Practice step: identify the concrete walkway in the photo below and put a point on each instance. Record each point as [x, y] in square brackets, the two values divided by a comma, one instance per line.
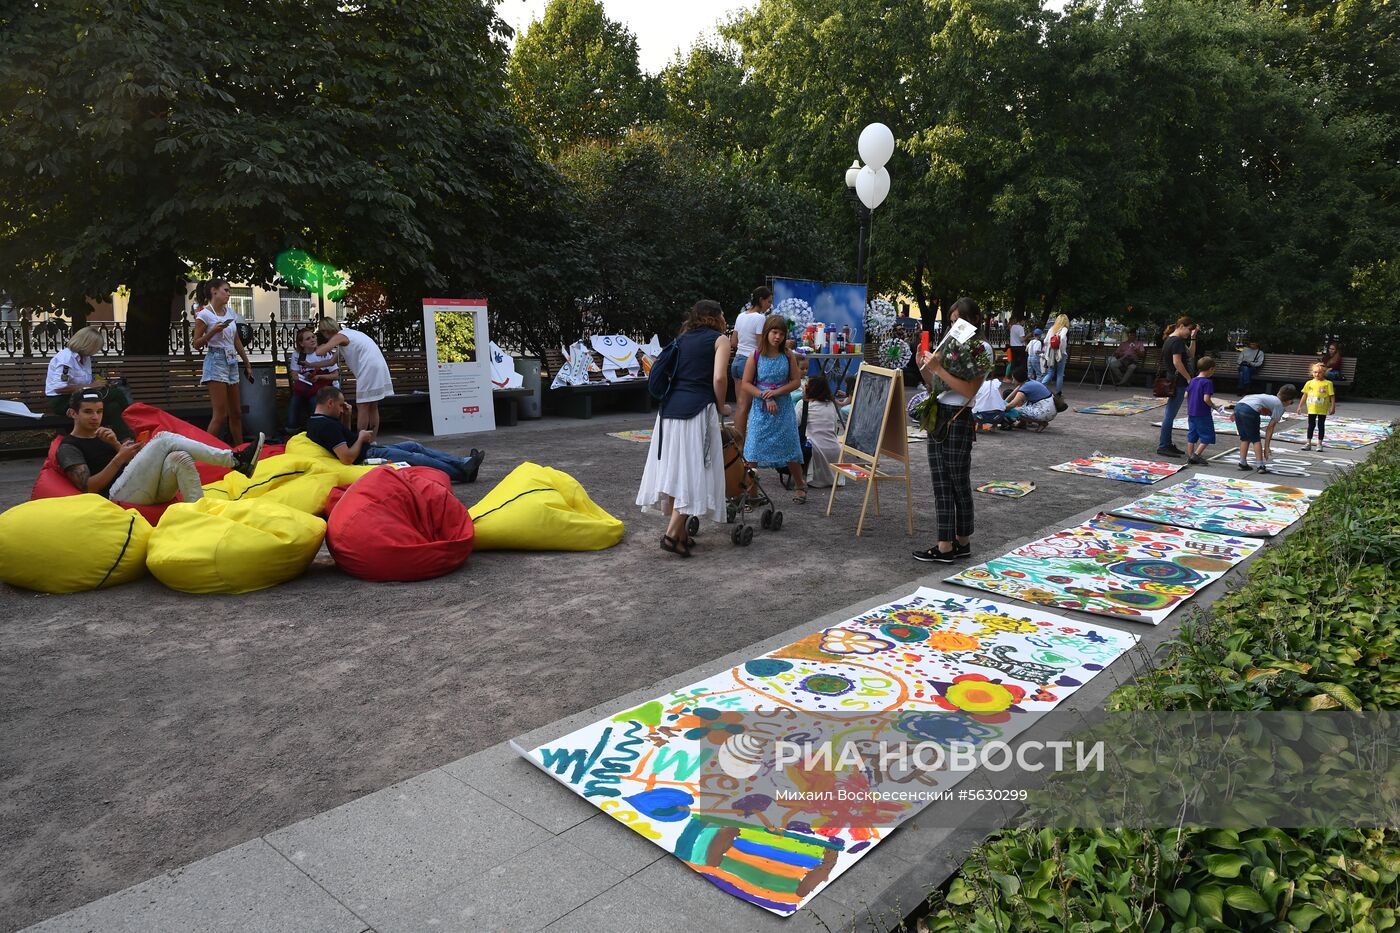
[486, 841]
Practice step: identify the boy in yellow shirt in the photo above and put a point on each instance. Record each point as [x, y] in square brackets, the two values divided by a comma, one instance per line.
[1320, 396]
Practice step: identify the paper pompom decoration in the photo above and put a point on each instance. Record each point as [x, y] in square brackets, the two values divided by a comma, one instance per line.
[795, 310]
[880, 316]
[895, 353]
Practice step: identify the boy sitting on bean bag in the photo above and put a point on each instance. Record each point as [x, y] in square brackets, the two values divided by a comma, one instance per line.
[140, 473]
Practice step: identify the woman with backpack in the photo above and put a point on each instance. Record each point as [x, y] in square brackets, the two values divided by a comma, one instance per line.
[684, 473]
[1057, 353]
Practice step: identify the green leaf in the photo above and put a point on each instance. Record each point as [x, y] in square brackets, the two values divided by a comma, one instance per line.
[1226, 866]
[1210, 901]
[1179, 901]
[1242, 898]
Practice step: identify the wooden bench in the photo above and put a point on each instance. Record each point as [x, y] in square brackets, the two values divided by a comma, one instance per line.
[410, 374]
[577, 401]
[1094, 357]
[167, 382]
[1279, 369]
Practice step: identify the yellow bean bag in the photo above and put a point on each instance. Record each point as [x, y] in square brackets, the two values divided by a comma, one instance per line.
[232, 547]
[302, 478]
[536, 508]
[71, 544]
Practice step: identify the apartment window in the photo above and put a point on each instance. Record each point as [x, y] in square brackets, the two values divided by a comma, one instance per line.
[294, 305]
[241, 301]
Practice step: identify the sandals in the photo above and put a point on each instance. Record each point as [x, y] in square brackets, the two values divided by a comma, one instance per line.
[800, 496]
[669, 543]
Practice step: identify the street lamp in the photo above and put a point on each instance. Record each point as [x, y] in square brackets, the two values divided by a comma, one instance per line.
[869, 185]
[862, 219]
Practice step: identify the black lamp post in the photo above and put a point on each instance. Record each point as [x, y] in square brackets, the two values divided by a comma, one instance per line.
[862, 220]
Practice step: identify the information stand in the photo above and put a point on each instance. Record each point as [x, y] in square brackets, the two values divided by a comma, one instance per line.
[459, 365]
[875, 436]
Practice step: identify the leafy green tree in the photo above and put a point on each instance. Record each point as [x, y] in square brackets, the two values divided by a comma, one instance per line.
[574, 76]
[143, 138]
[708, 99]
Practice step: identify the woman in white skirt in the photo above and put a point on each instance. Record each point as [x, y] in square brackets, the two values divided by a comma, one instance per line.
[684, 473]
[366, 361]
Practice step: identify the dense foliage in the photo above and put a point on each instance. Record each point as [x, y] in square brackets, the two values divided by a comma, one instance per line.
[1315, 627]
[1238, 159]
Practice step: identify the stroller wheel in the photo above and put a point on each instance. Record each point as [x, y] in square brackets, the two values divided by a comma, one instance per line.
[692, 525]
[737, 536]
[777, 521]
[766, 520]
[745, 535]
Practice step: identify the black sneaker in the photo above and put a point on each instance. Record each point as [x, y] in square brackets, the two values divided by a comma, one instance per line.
[1171, 450]
[245, 461]
[961, 551]
[471, 465]
[1245, 466]
[934, 556]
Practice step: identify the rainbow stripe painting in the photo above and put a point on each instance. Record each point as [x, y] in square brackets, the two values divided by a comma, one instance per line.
[697, 771]
[1123, 469]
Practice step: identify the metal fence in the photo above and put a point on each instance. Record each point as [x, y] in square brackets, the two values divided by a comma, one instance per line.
[264, 340]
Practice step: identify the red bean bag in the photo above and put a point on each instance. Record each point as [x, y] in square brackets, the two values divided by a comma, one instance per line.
[399, 525]
[142, 419]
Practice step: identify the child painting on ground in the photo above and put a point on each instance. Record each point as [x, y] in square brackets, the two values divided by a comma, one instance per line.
[1248, 411]
[1200, 411]
[1320, 396]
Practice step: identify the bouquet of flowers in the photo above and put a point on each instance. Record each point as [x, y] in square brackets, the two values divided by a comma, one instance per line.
[965, 360]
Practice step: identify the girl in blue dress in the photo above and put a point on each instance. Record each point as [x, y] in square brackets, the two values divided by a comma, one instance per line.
[770, 377]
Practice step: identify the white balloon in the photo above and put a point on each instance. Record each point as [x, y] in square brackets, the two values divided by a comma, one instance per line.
[872, 186]
[876, 145]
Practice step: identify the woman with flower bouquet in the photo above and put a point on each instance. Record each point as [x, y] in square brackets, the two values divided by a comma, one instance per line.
[953, 374]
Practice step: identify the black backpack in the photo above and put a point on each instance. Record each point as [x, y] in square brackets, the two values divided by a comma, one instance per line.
[662, 377]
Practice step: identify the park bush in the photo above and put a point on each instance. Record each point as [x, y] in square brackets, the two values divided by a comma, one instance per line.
[1315, 626]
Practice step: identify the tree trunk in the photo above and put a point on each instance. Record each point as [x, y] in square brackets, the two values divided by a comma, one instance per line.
[157, 282]
[78, 309]
[920, 294]
[1051, 298]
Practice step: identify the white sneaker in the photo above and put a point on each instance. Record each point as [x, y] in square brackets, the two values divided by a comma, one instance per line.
[1319, 445]
[1308, 446]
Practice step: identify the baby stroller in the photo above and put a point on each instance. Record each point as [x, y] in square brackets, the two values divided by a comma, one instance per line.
[742, 493]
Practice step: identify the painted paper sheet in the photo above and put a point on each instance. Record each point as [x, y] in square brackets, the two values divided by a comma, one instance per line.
[1008, 488]
[1342, 433]
[688, 769]
[1120, 468]
[1224, 505]
[1124, 406]
[640, 437]
[1113, 566]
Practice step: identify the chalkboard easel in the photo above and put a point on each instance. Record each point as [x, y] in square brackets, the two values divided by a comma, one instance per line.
[875, 431]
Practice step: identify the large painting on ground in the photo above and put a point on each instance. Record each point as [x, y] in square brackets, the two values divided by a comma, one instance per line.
[1224, 505]
[1113, 566]
[695, 771]
[1124, 406]
[1342, 433]
[1123, 469]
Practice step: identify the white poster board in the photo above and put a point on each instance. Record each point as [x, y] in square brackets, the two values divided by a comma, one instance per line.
[459, 365]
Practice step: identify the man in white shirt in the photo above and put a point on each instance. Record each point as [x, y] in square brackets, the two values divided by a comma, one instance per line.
[1035, 361]
[748, 330]
[1017, 340]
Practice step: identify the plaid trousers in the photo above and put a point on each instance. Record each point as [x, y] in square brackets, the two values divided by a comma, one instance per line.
[950, 466]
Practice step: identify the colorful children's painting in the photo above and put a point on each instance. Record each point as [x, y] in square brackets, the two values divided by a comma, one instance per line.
[639, 437]
[1113, 566]
[1011, 489]
[1120, 468]
[1224, 505]
[855, 471]
[698, 773]
[1342, 433]
[1124, 406]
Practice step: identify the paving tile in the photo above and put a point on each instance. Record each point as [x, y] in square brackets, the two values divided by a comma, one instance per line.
[614, 844]
[529, 892]
[392, 851]
[630, 907]
[685, 893]
[248, 887]
[507, 778]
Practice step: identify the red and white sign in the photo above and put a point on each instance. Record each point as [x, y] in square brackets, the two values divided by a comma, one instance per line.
[459, 365]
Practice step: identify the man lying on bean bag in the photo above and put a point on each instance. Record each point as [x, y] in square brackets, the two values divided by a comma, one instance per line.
[140, 473]
[325, 428]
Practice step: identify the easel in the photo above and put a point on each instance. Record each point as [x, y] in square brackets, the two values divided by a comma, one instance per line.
[867, 441]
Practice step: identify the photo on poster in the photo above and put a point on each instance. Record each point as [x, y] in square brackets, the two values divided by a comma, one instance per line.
[456, 336]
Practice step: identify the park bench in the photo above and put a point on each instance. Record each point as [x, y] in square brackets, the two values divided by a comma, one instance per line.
[1093, 359]
[577, 401]
[1279, 369]
[170, 383]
